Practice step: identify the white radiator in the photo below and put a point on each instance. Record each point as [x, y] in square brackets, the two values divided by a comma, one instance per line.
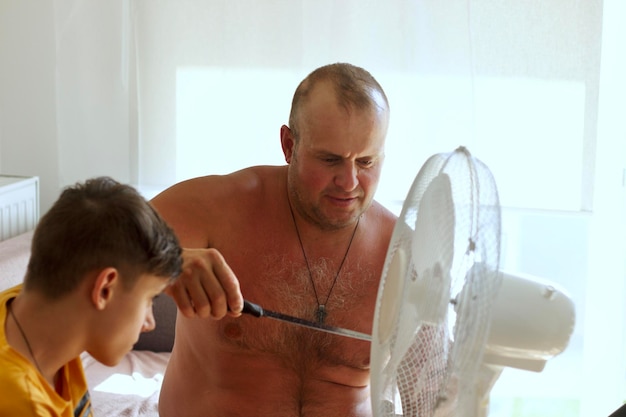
[19, 205]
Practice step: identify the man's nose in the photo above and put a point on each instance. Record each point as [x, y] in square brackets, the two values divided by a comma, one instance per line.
[347, 176]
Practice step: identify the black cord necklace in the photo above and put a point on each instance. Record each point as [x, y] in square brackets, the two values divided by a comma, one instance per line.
[320, 312]
[30, 350]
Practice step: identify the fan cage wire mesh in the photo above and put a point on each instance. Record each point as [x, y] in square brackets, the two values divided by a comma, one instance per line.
[437, 375]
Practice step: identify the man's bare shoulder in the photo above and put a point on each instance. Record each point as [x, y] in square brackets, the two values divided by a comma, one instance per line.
[383, 215]
[210, 188]
[196, 204]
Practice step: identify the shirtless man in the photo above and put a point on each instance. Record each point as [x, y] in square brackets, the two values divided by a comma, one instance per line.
[299, 239]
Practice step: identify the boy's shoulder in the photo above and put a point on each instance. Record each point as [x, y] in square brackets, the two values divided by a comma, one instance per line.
[19, 382]
[7, 294]
[25, 392]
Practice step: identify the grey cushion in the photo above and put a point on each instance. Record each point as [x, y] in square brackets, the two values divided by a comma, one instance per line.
[161, 339]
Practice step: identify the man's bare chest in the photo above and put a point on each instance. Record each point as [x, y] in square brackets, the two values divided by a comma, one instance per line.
[282, 282]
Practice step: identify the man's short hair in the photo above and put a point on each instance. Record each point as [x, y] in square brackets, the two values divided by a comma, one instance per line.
[354, 87]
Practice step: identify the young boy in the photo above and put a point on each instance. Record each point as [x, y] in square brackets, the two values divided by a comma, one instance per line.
[98, 258]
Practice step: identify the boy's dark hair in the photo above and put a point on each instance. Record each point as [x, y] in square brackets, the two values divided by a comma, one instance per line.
[98, 224]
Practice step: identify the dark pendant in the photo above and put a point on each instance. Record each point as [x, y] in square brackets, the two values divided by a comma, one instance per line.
[321, 313]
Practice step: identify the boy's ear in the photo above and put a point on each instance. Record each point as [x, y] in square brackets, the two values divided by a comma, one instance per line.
[104, 286]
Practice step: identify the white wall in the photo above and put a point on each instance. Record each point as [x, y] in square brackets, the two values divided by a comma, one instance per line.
[28, 125]
[69, 110]
[65, 109]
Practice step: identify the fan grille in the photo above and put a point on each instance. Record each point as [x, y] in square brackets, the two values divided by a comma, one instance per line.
[443, 264]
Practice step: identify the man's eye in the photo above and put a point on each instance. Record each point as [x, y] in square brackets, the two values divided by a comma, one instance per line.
[366, 162]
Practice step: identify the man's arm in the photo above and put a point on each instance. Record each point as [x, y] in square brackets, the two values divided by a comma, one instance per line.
[207, 286]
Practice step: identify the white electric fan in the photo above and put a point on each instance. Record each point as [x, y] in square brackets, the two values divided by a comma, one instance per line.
[439, 287]
[438, 284]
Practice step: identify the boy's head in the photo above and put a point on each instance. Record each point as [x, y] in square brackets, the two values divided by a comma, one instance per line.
[103, 249]
[97, 224]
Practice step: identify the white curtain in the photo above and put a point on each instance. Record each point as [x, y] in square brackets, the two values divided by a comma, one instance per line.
[515, 82]
[170, 89]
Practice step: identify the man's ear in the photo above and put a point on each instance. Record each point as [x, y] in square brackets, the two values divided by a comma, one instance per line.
[287, 141]
[107, 280]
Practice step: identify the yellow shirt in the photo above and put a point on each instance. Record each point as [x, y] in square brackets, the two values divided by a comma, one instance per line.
[23, 390]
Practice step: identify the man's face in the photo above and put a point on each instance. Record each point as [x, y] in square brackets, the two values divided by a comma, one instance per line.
[335, 167]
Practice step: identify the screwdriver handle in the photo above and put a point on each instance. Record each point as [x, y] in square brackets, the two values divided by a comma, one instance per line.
[251, 308]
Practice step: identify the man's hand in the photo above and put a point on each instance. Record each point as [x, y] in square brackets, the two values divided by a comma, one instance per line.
[207, 287]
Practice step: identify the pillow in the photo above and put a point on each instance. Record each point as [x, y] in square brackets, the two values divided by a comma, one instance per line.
[161, 339]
